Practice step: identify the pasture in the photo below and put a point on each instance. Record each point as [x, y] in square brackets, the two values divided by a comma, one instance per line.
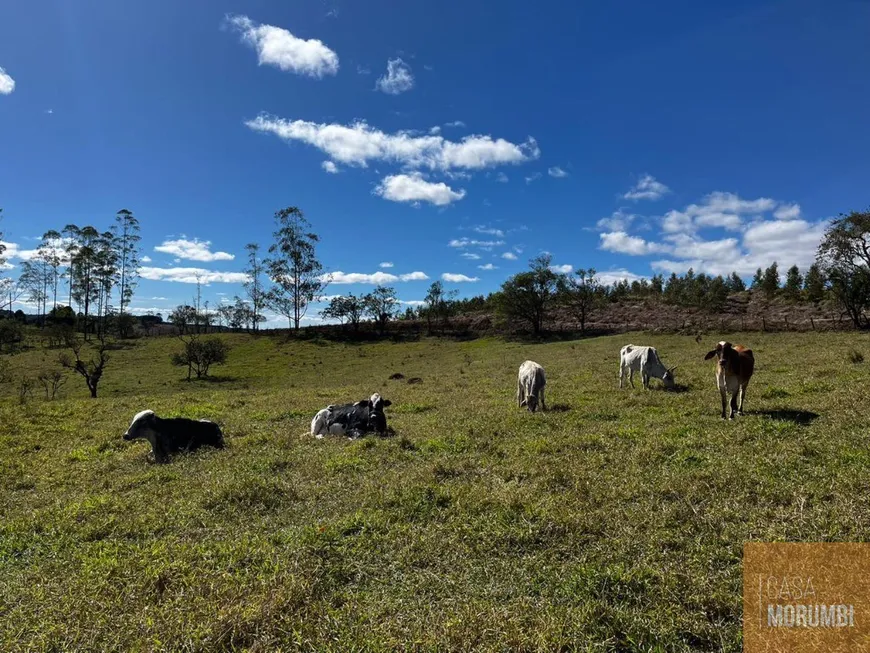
[613, 522]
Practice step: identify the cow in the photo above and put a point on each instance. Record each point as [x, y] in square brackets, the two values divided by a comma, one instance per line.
[735, 364]
[633, 358]
[174, 434]
[530, 386]
[352, 420]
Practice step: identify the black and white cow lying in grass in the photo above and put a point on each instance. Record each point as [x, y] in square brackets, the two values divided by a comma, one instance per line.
[171, 435]
[352, 420]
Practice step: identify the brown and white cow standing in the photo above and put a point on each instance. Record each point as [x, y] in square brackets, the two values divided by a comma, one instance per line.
[734, 368]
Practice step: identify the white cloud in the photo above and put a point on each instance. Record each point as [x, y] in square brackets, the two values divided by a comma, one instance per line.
[622, 243]
[329, 167]
[618, 221]
[412, 302]
[510, 256]
[470, 242]
[562, 269]
[397, 79]
[611, 277]
[533, 177]
[718, 209]
[377, 278]
[455, 123]
[278, 47]
[488, 266]
[145, 259]
[557, 172]
[489, 231]
[458, 278]
[358, 144]
[189, 275]
[385, 264]
[502, 178]
[7, 84]
[363, 70]
[193, 250]
[787, 212]
[470, 256]
[435, 130]
[414, 188]
[647, 188]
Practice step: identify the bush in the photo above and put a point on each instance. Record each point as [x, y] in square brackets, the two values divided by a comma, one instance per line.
[199, 354]
[856, 356]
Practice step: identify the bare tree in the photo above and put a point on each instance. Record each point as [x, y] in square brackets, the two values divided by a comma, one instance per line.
[92, 369]
[582, 294]
[293, 266]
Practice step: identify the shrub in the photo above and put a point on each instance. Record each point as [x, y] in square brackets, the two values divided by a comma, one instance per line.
[856, 356]
[199, 354]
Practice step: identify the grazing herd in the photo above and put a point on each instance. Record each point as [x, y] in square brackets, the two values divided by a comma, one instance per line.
[734, 367]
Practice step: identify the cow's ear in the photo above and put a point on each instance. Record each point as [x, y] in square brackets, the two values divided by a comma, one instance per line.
[710, 355]
[387, 402]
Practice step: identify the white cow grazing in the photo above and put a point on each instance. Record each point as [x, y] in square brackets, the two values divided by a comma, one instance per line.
[530, 386]
[633, 358]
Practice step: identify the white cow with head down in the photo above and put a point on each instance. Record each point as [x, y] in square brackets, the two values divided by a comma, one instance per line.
[634, 358]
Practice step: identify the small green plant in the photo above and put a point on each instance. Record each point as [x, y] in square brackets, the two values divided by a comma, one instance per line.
[855, 356]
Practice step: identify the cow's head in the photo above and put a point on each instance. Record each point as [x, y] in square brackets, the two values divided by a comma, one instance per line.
[722, 352]
[142, 426]
[377, 420]
[530, 402]
[668, 378]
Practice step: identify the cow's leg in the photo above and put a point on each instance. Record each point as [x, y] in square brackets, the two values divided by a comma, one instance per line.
[645, 378]
[631, 377]
[519, 394]
[742, 398]
[724, 395]
[621, 376]
[734, 403]
[543, 403]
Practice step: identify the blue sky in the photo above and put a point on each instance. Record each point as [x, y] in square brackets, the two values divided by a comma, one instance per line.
[448, 138]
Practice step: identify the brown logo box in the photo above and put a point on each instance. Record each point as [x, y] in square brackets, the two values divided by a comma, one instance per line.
[806, 597]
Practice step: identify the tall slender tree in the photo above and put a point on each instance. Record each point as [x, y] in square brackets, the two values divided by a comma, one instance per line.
[51, 252]
[71, 243]
[126, 240]
[293, 266]
[85, 289]
[254, 285]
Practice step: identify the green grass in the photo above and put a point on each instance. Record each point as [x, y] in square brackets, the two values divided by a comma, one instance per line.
[614, 523]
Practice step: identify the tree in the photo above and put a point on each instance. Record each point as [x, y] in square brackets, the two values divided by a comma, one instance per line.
[793, 283]
[33, 280]
[735, 283]
[380, 305]
[49, 256]
[758, 279]
[770, 280]
[844, 258]
[84, 263]
[657, 285]
[199, 354]
[528, 296]
[293, 267]
[254, 286]
[814, 283]
[439, 303]
[346, 309]
[182, 317]
[582, 294]
[126, 241]
[91, 370]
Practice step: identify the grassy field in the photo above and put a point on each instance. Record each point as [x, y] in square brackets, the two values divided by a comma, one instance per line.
[613, 522]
